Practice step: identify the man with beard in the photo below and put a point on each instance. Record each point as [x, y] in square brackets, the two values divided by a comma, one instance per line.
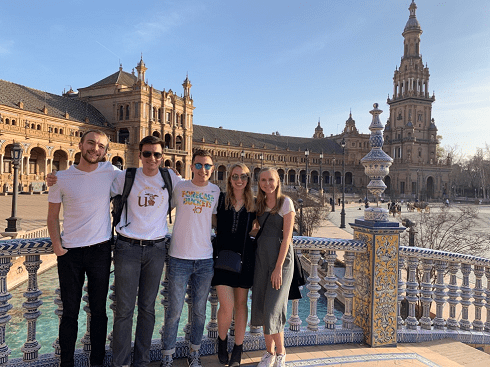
[83, 247]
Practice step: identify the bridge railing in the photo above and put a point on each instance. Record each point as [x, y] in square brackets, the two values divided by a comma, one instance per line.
[443, 294]
[316, 329]
[426, 280]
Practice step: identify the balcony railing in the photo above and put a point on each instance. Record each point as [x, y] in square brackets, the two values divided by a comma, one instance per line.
[458, 286]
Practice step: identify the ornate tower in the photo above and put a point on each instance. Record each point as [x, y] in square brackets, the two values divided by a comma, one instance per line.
[410, 134]
[318, 132]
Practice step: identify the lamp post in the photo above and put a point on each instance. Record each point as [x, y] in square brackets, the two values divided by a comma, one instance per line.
[321, 173]
[333, 186]
[307, 153]
[243, 155]
[13, 223]
[300, 202]
[342, 213]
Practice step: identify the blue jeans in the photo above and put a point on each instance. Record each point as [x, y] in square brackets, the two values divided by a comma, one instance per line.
[95, 261]
[198, 273]
[137, 271]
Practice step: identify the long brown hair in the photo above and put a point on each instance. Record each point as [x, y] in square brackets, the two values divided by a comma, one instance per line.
[247, 192]
[261, 204]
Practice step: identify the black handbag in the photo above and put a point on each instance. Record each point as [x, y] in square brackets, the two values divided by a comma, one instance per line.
[231, 260]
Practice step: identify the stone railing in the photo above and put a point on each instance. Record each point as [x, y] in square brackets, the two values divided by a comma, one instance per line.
[373, 296]
[443, 295]
[317, 329]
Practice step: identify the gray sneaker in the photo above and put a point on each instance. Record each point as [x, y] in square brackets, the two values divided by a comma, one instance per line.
[167, 361]
[193, 359]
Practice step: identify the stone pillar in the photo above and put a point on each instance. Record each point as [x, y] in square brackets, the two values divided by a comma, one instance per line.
[376, 270]
[376, 284]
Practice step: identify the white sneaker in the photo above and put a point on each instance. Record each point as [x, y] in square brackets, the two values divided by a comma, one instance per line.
[267, 360]
[280, 360]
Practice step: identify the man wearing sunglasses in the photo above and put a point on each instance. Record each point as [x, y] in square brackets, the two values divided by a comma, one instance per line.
[191, 255]
[139, 254]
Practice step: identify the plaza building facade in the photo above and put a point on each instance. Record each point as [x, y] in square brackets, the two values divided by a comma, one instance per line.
[127, 108]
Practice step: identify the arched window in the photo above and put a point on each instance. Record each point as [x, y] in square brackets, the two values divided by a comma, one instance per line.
[127, 112]
[61, 131]
[33, 126]
[14, 123]
[121, 112]
[38, 127]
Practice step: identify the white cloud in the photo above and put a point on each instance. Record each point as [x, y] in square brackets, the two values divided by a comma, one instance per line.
[6, 47]
[161, 23]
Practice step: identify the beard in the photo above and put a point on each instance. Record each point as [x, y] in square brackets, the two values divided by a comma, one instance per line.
[91, 158]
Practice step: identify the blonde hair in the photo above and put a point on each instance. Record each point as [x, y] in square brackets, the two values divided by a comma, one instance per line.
[247, 192]
[261, 198]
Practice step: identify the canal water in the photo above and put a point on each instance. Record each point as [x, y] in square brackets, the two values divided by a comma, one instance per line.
[47, 323]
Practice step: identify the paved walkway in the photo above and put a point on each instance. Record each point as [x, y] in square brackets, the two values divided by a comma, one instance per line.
[443, 353]
[32, 209]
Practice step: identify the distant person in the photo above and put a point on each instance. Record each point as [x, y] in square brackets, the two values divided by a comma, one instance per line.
[191, 256]
[83, 248]
[274, 266]
[236, 214]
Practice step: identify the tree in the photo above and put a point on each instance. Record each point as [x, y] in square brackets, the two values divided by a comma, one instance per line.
[451, 230]
[314, 213]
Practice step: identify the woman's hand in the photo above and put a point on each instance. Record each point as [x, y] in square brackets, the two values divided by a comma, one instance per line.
[276, 278]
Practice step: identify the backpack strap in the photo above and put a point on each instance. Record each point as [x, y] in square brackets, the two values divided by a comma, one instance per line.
[168, 185]
[128, 184]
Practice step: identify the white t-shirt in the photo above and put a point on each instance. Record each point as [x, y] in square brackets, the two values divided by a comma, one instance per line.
[147, 205]
[86, 201]
[287, 207]
[191, 236]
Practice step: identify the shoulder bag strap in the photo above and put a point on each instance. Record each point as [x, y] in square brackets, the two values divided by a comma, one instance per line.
[261, 227]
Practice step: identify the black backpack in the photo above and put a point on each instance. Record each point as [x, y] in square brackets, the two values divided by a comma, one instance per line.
[119, 201]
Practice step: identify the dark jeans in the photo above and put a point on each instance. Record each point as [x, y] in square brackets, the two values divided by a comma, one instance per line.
[137, 272]
[95, 261]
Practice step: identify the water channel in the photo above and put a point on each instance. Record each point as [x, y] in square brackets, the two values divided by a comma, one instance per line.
[47, 323]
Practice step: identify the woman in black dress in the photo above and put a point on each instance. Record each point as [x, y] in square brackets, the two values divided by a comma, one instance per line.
[236, 214]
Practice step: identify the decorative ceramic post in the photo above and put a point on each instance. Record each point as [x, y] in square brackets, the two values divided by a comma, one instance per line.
[376, 283]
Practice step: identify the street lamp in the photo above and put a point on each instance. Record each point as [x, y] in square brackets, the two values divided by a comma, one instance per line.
[243, 155]
[321, 173]
[333, 186]
[307, 153]
[13, 223]
[300, 202]
[342, 213]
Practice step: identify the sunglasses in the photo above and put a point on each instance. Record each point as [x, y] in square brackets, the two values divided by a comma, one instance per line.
[148, 154]
[206, 166]
[242, 177]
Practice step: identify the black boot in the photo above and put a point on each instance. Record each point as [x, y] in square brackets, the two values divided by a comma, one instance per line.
[223, 350]
[236, 355]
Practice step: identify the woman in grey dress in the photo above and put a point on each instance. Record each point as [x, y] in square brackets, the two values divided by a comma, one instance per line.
[273, 266]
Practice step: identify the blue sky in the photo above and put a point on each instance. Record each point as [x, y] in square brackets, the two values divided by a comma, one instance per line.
[262, 66]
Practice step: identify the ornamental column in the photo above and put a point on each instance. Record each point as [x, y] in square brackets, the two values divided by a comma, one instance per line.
[376, 292]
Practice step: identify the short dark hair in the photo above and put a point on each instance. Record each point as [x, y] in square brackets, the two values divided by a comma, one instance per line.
[201, 153]
[150, 139]
[98, 132]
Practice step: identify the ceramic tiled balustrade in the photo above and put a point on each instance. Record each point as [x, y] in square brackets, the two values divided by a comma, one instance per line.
[380, 280]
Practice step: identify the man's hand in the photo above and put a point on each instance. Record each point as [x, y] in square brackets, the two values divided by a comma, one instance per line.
[51, 178]
[58, 250]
